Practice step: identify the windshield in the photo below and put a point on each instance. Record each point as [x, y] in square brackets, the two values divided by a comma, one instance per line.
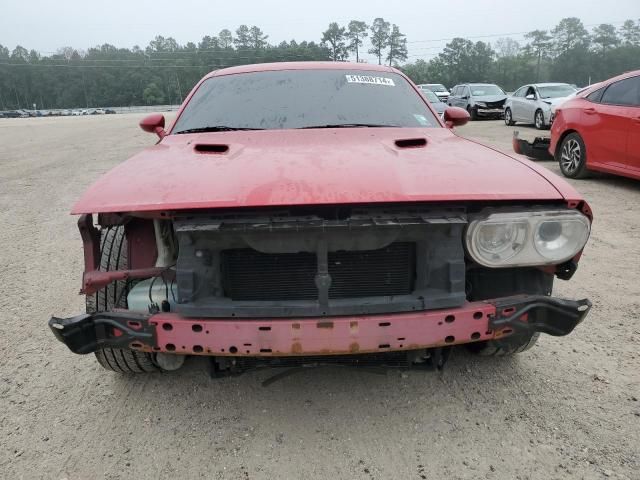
[556, 91]
[287, 99]
[435, 87]
[485, 90]
[432, 97]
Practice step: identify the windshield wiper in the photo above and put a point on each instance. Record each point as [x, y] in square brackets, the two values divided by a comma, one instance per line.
[216, 128]
[349, 125]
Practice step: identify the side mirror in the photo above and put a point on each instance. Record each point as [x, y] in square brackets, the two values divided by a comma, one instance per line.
[154, 123]
[455, 117]
[531, 96]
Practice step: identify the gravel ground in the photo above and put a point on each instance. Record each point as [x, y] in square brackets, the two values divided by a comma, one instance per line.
[568, 408]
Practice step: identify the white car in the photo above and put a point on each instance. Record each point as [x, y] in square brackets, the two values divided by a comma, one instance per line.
[533, 103]
[440, 90]
[556, 105]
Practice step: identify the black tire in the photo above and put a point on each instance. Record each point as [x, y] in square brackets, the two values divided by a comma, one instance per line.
[572, 156]
[538, 120]
[506, 346]
[113, 255]
[517, 342]
[508, 118]
[473, 113]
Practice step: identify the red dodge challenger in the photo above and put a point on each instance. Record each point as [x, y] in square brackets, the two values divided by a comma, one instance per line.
[312, 213]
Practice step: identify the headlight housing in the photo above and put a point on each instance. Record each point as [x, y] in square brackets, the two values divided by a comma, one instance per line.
[517, 239]
[481, 104]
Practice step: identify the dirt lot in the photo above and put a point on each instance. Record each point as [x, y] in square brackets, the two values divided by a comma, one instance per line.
[567, 409]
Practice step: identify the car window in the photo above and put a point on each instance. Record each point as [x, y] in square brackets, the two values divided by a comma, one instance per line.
[520, 92]
[556, 91]
[286, 99]
[465, 91]
[596, 95]
[485, 90]
[624, 92]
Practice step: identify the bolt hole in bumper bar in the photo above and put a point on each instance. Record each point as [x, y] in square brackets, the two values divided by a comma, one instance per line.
[171, 333]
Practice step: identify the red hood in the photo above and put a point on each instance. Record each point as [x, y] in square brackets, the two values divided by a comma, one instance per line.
[296, 167]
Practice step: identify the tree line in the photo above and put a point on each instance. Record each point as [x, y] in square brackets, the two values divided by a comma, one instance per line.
[566, 53]
[386, 41]
[164, 71]
[161, 73]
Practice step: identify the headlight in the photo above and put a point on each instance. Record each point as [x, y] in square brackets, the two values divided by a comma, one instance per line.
[532, 238]
[481, 104]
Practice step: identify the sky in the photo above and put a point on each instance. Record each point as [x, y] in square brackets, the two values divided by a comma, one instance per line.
[46, 25]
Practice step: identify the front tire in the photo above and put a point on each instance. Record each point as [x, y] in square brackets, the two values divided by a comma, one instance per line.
[538, 120]
[487, 285]
[572, 157]
[510, 345]
[473, 113]
[113, 256]
[508, 118]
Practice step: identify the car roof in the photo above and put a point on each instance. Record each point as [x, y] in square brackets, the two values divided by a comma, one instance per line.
[632, 73]
[592, 88]
[546, 84]
[271, 67]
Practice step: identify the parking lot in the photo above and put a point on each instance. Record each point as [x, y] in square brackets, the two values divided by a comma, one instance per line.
[569, 408]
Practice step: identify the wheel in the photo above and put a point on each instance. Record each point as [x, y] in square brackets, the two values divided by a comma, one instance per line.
[538, 120]
[572, 157]
[508, 119]
[506, 346]
[473, 113]
[113, 255]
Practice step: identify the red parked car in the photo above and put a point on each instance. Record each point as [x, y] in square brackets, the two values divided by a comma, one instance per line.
[312, 213]
[599, 129]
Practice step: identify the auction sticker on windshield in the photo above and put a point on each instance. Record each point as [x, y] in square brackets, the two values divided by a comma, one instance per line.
[371, 80]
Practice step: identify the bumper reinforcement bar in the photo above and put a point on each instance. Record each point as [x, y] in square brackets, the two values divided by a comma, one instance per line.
[553, 316]
[89, 332]
[172, 333]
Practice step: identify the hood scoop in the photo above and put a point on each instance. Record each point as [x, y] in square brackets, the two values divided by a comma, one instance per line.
[211, 148]
[411, 143]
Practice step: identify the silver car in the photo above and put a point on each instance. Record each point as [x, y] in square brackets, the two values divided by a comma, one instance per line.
[532, 103]
[438, 105]
[440, 90]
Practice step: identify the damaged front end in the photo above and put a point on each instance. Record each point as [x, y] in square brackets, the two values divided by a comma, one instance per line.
[282, 287]
[490, 109]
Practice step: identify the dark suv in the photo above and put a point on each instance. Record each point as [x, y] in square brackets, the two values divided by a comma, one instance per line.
[479, 99]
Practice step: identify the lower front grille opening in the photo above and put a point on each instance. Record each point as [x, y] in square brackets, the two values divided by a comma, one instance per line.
[249, 275]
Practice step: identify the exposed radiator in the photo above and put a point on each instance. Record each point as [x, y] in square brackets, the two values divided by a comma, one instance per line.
[249, 275]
